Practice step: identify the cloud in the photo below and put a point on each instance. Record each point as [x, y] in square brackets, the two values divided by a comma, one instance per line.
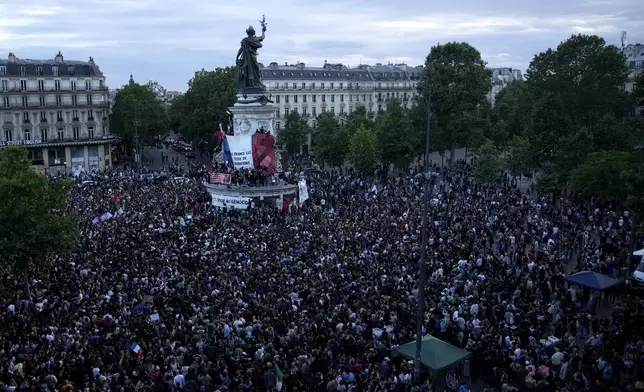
[168, 40]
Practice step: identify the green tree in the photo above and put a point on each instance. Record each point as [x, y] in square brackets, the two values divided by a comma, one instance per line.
[509, 112]
[456, 79]
[293, 134]
[360, 117]
[330, 140]
[488, 163]
[364, 151]
[638, 89]
[605, 174]
[196, 115]
[35, 222]
[519, 157]
[396, 136]
[138, 113]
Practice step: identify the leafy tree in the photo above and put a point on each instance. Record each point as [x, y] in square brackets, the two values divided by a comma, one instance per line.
[396, 136]
[604, 174]
[456, 79]
[364, 151]
[638, 89]
[196, 115]
[35, 223]
[509, 112]
[330, 140]
[576, 97]
[488, 163]
[138, 112]
[519, 159]
[358, 118]
[293, 134]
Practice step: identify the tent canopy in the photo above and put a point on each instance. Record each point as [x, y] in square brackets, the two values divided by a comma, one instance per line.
[639, 252]
[435, 353]
[592, 280]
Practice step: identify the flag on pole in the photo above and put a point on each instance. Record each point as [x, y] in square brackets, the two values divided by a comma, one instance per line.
[136, 348]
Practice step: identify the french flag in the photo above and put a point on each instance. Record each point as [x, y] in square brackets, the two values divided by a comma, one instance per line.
[136, 348]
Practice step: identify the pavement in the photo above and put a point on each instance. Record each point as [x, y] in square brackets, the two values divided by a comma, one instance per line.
[152, 155]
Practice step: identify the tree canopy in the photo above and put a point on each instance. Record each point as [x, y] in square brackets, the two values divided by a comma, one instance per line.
[35, 223]
[455, 83]
[330, 140]
[196, 115]
[293, 134]
[364, 151]
[137, 111]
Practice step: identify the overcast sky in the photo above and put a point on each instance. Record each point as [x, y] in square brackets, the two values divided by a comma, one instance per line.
[167, 40]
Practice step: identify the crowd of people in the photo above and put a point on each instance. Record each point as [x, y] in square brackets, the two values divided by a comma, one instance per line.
[165, 294]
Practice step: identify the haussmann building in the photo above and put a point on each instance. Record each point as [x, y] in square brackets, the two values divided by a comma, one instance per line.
[59, 110]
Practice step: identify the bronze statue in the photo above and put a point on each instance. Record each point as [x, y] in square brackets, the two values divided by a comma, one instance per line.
[249, 77]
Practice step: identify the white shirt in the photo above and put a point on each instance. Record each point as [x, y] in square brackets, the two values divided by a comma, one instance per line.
[557, 358]
[179, 381]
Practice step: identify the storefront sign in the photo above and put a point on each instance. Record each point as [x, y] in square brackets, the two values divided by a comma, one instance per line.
[219, 178]
[4, 143]
[240, 203]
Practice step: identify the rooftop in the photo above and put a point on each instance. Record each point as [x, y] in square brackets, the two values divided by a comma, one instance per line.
[15, 66]
[340, 72]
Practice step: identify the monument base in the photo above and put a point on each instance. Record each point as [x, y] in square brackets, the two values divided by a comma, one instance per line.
[252, 113]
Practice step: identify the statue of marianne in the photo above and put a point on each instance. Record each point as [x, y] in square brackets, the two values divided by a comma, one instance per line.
[249, 77]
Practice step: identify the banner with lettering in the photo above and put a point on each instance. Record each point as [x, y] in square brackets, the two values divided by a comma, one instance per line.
[219, 178]
[240, 203]
[241, 151]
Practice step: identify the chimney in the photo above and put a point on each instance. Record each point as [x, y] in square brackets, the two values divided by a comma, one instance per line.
[12, 57]
[59, 58]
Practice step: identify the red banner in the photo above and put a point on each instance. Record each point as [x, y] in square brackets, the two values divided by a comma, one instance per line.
[219, 178]
[264, 152]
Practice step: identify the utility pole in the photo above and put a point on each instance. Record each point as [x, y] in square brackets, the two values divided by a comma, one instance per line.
[631, 257]
[420, 321]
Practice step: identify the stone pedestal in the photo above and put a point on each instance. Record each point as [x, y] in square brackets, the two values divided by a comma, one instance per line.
[253, 112]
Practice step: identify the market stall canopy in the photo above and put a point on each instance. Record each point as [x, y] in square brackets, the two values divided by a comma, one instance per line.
[435, 353]
[592, 280]
[639, 252]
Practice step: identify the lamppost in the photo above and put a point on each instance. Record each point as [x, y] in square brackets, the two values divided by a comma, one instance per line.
[420, 321]
[631, 257]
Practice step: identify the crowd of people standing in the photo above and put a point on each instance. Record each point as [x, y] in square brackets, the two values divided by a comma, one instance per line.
[167, 294]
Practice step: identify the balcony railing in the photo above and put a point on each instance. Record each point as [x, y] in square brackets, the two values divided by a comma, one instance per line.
[50, 89]
[55, 105]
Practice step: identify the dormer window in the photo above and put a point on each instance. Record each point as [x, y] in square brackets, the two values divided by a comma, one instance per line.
[22, 71]
[39, 70]
[54, 70]
[71, 70]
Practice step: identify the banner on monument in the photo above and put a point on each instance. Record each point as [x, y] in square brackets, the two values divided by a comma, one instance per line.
[304, 192]
[241, 151]
[264, 152]
[238, 202]
[219, 178]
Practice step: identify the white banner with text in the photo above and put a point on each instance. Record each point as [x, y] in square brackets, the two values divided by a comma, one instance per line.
[238, 202]
[241, 151]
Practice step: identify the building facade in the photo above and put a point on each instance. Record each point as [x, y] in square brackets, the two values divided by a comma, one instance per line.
[59, 110]
[501, 78]
[337, 89]
[635, 62]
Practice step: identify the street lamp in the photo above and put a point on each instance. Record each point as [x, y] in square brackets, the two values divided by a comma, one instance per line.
[420, 321]
[631, 257]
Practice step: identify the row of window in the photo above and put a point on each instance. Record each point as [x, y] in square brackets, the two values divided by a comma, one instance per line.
[340, 85]
[352, 97]
[73, 85]
[59, 136]
[71, 70]
[42, 101]
[304, 112]
[59, 116]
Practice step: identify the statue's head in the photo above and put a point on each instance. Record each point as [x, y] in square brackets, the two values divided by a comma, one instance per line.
[250, 31]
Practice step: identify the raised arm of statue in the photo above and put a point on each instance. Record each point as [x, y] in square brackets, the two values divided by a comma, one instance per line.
[263, 23]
